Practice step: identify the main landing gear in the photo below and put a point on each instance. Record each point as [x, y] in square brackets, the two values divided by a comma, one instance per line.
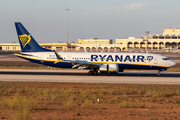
[93, 72]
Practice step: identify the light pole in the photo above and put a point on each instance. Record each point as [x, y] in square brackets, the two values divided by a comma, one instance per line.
[147, 33]
[67, 26]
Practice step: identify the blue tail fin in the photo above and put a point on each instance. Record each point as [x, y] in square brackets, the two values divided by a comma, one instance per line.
[27, 42]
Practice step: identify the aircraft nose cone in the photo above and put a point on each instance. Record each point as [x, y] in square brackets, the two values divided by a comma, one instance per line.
[172, 63]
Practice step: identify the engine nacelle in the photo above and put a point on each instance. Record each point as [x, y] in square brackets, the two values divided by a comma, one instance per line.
[109, 68]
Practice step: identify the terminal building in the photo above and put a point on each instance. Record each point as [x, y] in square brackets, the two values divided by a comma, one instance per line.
[98, 45]
[168, 41]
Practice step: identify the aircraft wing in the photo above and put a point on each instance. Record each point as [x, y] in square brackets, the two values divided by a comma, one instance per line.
[80, 64]
[77, 63]
[83, 64]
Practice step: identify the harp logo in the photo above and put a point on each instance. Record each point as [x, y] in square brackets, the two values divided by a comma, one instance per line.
[149, 58]
[25, 39]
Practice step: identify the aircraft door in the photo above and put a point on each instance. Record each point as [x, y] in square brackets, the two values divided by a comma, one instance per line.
[69, 57]
[42, 59]
[155, 60]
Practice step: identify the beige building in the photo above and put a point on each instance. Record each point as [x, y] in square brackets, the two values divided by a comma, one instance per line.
[168, 41]
[10, 46]
[95, 41]
[52, 46]
[98, 45]
[92, 44]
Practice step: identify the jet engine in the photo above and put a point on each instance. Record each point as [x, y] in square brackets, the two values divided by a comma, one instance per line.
[109, 68]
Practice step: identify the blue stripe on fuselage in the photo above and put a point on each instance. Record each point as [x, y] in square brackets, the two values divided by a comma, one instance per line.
[131, 66]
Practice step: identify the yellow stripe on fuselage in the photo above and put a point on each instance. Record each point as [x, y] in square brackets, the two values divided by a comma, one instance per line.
[106, 70]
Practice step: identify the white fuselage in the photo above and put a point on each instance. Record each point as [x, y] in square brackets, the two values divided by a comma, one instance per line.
[154, 61]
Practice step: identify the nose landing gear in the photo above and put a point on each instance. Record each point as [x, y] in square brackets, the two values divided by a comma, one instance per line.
[159, 72]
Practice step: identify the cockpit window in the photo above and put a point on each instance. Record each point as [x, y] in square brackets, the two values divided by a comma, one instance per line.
[166, 59]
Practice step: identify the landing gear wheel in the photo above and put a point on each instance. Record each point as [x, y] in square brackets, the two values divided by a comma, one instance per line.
[91, 72]
[158, 73]
[95, 72]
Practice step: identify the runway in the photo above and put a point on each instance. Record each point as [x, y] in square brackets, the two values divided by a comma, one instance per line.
[81, 76]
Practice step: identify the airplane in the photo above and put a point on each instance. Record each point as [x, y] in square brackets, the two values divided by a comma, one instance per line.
[96, 62]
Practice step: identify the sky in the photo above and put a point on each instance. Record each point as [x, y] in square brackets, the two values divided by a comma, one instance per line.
[104, 19]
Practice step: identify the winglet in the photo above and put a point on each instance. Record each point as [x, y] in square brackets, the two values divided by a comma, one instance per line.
[57, 55]
[59, 59]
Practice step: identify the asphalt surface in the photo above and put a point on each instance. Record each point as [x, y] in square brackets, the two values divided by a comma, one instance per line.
[81, 76]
